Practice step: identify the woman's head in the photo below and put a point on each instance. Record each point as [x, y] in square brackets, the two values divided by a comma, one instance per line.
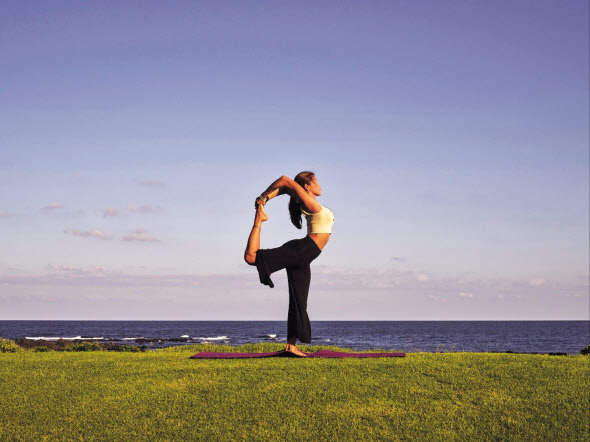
[308, 181]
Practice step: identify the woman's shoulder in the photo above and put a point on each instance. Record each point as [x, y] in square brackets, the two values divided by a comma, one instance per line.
[306, 213]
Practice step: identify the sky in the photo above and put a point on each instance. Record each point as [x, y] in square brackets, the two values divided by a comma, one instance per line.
[450, 139]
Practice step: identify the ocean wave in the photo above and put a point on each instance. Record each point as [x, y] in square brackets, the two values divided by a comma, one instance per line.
[65, 338]
[132, 339]
[216, 338]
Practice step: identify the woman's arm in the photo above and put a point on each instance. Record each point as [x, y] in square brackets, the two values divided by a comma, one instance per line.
[286, 185]
[276, 192]
[273, 190]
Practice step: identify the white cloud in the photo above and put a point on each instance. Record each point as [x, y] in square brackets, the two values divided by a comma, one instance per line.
[109, 211]
[75, 271]
[94, 276]
[140, 235]
[356, 291]
[466, 295]
[53, 206]
[139, 209]
[6, 214]
[422, 277]
[69, 268]
[152, 183]
[88, 233]
[538, 282]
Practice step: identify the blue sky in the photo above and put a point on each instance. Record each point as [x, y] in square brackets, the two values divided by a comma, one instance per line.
[450, 139]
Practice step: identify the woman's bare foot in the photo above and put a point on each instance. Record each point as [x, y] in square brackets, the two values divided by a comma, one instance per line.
[261, 215]
[292, 349]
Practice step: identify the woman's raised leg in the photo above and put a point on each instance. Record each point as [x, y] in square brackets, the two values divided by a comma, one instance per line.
[254, 238]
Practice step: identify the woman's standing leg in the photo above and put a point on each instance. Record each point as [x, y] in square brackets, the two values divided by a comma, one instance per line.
[254, 238]
[298, 325]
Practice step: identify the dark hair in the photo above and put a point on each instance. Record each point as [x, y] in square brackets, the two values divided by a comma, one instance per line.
[302, 179]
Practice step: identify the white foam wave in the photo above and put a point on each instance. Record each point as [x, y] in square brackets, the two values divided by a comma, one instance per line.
[272, 336]
[65, 338]
[217, 338]
[132, 339]
[185, 336]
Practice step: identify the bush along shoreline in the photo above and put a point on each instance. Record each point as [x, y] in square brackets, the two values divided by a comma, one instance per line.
[16, 345]
[12, 346]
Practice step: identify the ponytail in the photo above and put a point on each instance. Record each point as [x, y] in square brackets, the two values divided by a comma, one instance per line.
[302, 179]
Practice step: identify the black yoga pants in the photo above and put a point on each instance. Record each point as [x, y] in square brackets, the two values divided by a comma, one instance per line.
[295, 256]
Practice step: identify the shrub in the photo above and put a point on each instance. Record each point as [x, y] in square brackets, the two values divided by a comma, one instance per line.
[585, 350]
[129, 348]
[84, 346]
[8, 346]
[42, 349]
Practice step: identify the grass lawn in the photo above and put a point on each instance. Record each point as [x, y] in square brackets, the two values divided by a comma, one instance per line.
[164, 395]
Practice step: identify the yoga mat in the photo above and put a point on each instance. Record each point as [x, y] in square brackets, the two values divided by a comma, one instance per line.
[286, 354]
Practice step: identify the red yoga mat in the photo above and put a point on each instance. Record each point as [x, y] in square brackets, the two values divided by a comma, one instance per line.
[286, 354]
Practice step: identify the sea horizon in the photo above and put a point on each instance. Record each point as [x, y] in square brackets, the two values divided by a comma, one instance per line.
[550, 336]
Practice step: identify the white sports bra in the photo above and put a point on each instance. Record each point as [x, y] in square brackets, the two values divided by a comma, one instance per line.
[320, 222]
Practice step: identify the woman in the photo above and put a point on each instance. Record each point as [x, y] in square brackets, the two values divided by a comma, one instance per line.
[296, 255]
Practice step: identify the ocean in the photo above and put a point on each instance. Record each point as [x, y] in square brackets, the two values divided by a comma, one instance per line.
[408, 336]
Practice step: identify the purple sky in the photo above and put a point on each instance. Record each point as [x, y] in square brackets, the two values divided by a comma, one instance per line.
[450, 139]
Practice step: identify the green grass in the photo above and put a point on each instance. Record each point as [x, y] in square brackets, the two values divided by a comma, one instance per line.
[163, 395]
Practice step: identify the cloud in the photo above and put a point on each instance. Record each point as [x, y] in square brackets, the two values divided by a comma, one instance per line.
[353, 287]
[88, 233]
[152, 183]
[74, 271]
[140, 235]
[96, 275]
[53, 206]
[109, 211]
[396, 281]
[65, 268]
[6, 214]
[538, 282]
[139, 209]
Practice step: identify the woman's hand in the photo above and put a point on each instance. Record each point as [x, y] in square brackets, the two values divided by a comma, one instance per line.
[260, 200]
[273, 190]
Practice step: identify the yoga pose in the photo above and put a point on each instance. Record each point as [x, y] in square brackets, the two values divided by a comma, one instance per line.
[295, 256]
